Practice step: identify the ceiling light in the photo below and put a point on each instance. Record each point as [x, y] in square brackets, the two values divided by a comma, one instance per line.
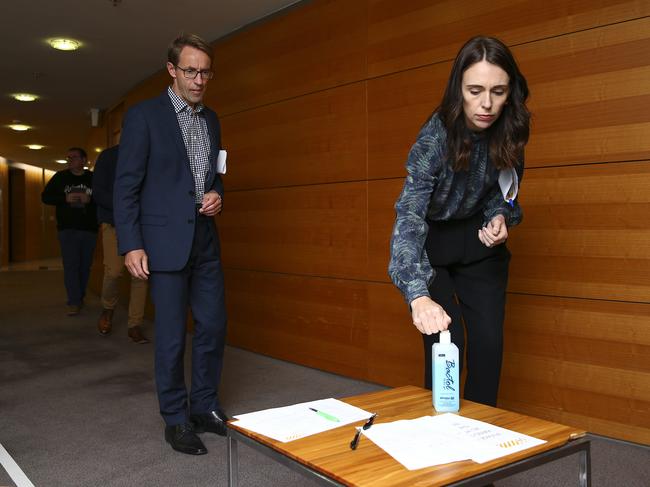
[35, 146]
[61, 161]
[98, 149]
[64, 44]
[19, 127]
[25, 97]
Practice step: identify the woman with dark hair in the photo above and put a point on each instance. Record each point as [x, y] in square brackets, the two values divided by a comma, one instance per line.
[448, 252]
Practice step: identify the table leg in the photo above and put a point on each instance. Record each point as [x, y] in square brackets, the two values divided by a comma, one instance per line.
[233, 463]
[585, 467]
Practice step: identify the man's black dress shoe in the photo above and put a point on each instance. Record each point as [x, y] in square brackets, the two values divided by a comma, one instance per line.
[212, 422]
[182, 438]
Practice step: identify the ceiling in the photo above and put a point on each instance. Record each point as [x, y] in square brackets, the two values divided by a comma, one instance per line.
[123, 44]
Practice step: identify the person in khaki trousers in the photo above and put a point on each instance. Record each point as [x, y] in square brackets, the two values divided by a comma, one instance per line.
[103, 179]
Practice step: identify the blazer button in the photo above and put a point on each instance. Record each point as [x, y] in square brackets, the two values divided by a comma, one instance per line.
[190, 220]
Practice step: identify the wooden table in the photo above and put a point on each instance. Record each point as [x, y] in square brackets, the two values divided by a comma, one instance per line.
[327, 459]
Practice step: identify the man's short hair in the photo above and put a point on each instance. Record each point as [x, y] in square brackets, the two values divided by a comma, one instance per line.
[192, 40]
[81, 152]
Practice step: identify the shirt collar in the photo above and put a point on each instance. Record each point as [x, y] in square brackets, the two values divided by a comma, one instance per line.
[180, 104]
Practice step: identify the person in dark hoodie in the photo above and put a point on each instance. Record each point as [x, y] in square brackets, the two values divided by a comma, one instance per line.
[70, 191]
[103, 179]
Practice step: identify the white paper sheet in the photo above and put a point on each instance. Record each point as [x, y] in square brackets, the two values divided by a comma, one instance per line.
[221, 162]
[436, 440]
[297, 421]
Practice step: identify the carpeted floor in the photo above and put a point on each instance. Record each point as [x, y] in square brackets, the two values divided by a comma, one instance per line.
[78, 409]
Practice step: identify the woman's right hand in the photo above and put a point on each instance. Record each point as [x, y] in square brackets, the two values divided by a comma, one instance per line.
[428, 316]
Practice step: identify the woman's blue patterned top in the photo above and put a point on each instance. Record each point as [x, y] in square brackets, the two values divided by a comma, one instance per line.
[433, 191]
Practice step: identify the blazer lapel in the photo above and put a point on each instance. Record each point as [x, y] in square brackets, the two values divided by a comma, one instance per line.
[170, 122]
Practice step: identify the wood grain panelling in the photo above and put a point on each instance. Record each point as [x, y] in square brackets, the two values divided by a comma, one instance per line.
[395, 350]
[580, 361]
[354, 328]
[382, 196]
[149, 88]
[114, 120]
[603, 78]
[317, 322]
[585, 233]
[17, 209]
[317, 138]
[4, 212]
[312, 230]
[318, 46]
[34, 228]
[398, 106]
[97, 139]
[320, 106]
[588, 97]
[403, 35]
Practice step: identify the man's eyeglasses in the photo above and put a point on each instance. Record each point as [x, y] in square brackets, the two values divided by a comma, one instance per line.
[191, 73]
[355, 442]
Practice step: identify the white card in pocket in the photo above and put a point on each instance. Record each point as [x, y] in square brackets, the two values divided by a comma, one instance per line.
[509, 184]
[221, 162]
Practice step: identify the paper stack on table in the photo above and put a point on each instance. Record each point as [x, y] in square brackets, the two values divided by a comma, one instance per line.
[436, 440]
[299, 420]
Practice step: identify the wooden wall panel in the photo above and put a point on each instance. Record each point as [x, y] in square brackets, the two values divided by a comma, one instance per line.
[318, 46]
[17, 210]
[4, 212]
[318, 138]
[315, 230]
[34, 228]
[355, 328]
[583, 361]
[95, 143]
[601, 115]
[420, 32]
[586, 107]
[149, 88]
[314, 321]
[311, 187]
[398, 106]
[395, 350]
[586, 233]
[382, 196]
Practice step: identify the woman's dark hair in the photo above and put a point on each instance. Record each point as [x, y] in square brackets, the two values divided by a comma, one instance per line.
[509, 133]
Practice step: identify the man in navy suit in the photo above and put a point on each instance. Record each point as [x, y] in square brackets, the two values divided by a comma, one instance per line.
[167, 191]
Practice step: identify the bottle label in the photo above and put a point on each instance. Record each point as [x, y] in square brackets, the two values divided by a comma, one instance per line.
[448, 383]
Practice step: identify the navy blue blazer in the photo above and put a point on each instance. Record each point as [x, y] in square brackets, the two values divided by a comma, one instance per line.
[153, 200]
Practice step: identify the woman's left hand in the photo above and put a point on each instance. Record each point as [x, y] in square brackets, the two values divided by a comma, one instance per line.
[495, 232]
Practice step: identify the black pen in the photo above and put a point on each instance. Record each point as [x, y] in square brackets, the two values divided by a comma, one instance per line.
[355, 441]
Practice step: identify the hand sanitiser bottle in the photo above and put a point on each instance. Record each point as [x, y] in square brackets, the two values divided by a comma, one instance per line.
[446, 382]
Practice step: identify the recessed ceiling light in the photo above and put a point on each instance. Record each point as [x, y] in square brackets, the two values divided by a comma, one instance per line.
[63, 44]
[61, 161]
[25, 97]
[35, 146]
[19, 127]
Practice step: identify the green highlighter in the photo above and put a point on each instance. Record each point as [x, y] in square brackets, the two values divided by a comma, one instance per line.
[325, 415]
